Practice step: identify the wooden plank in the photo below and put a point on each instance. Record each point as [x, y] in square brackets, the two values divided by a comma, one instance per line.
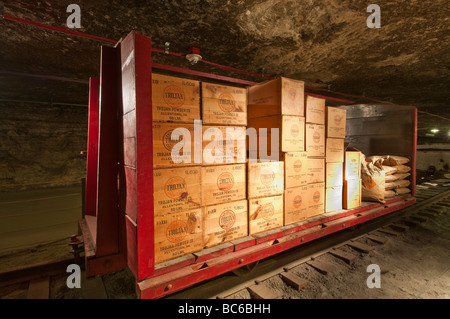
[419, 218]
[427, 214]
[389, 232]
[360, 246]
[212, 252]
[377, 239]
[39, 288]
[345, 256]
[322, 267]
[243, 242]
[293, 280]
[261, 291]
[399, 227]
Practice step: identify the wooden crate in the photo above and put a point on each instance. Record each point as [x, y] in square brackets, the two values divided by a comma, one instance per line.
[316, 170]
[178, 234]
[175, 99]
[281, 96]
[225, 222]
[334, 175]
[176, 189]
[224, 105]
[291, 130]
[333, 198]
[315, 140]
[223, 183]
[224, 145]
[265, 213]
[336, 122]
[316, 199]
[295, 204]
[352, 193]
[295, 169]
[334, 150]
[315, 110]
[265, 179]
[163, 145]
[352, 165]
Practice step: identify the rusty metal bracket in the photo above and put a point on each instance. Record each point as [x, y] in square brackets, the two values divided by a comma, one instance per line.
[77, 244]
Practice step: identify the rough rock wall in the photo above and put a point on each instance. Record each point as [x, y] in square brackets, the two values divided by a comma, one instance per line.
[40, 145]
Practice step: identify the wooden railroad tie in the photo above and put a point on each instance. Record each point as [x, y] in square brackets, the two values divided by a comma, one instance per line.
[360, 247]
[420, 219]
[389, 232]
[293, 280]
[261, 291]
[320, 266]
[345, 256]
[399, 227]
[378, 239]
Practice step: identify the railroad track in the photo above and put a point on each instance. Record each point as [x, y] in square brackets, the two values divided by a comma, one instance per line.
[257, 281]
[48, 280]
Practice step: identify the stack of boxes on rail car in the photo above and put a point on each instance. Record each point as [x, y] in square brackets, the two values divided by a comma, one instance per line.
[206, 198]
[277, 104]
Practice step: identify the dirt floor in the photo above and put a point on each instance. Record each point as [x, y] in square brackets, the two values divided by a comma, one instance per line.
[415, 265]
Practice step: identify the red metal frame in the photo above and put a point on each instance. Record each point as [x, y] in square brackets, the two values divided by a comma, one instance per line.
[122, 234]
[92, 148]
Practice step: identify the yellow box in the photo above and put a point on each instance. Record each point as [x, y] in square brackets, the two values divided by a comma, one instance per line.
[352, 165]
[334, 150]
[316, 170]
[352, 194]
[316, 199]
[333, 199]
[334, 174]
[265, 179]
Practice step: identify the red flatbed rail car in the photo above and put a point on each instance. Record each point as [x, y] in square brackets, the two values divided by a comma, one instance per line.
[118, 227]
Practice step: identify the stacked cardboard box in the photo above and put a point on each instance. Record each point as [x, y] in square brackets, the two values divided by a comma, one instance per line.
[223, 184]
[177, 179]
[277, 104]
[352, 179]
[335, 131]
[315, 148]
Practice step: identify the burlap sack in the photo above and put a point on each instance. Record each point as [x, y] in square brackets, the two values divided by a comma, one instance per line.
[393, 160]
[372, 178]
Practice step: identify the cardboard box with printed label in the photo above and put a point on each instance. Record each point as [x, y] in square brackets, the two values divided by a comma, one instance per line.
[265, 179]
[178, 234]
[224, 145]
[223, 105]
[225, 222]
[352, 165]
[175, 99]
[295, 169]
[265, 213]
[352, 193]
[316, 199]
[223, 183]
[316, 170]
[334, 150]
[315, 140]
[176, 189]
[315, 110]
[295, 204]
[333, 199]
[291, 132]
[281, 96]
[334, 174]
[163, 144]
[336, 122]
